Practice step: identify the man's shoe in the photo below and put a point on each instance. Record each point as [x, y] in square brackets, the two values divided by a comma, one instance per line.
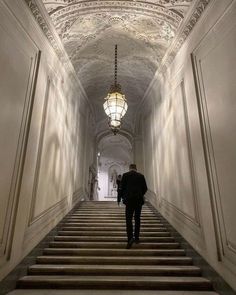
[129, 244]
[137, 241]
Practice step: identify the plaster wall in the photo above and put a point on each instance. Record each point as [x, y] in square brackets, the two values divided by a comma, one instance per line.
[44, 135]
[189, 139]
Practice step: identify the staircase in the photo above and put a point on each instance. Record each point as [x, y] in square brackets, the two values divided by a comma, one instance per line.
[90, 252]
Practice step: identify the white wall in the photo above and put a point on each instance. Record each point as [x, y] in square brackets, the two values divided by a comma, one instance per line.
[189, 139]
[46, 143]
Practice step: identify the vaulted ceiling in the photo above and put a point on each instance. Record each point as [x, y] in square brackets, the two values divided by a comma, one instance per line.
[145, 31]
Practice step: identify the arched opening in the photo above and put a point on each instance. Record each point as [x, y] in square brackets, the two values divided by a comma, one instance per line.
[115, 153]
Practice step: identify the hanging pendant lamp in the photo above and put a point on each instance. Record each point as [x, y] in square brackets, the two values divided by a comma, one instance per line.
[115, 105]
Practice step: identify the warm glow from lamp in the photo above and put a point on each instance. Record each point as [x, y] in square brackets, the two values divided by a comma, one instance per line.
[115, 105]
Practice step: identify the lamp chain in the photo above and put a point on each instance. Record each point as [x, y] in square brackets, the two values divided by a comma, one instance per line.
[115, 65]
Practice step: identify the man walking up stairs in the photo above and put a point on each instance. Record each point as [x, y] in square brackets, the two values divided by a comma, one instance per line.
[89, 253]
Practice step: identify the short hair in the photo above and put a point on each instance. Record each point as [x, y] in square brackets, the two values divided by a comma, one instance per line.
[132, 167]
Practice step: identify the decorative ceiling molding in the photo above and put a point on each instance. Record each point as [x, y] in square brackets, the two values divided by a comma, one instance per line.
[37, 13]
[65, 7]
[183, 34]
[89, 7]
[149, 35]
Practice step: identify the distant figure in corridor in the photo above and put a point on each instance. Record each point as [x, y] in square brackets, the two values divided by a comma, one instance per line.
[133, 188]
[118, 182]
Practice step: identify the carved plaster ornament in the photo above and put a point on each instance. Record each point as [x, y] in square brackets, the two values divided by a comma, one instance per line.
[149, 34]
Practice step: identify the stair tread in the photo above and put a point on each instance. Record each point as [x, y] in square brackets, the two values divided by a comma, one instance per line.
[112, 245]
[118, 278]
[122, 257]
[101, 291]
[117, 238]
[113, 252]
[116, 282]
[142, 267]
[94, 269]
[74, 232]
[114, 260]
[105, 224]
[118, 228]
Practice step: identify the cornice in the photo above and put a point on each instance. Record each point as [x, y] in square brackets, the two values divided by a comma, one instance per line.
[186, 28]
[191, 19]
[40, 18]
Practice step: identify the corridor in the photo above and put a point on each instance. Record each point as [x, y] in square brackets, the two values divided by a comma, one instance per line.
[88, 87]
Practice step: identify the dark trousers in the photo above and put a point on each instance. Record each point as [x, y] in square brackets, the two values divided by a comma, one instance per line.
[133, 210]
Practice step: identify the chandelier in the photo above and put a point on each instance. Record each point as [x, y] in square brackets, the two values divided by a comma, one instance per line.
[115, 105]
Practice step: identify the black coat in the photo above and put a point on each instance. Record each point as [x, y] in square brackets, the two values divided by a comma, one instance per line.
[133, 188]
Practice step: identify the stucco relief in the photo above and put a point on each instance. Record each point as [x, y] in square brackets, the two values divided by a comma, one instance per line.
[148, 34]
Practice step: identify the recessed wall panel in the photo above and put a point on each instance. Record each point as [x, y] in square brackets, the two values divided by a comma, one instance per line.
[176, 171]
[49, 187]
[18, 59]
[216, 70]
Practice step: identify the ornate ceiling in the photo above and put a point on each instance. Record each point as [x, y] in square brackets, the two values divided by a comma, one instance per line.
[145, 32]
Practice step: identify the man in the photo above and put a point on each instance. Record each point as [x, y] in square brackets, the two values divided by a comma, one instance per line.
[133, 188]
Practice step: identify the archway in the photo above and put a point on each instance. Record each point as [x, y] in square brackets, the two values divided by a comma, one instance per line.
[115, 155]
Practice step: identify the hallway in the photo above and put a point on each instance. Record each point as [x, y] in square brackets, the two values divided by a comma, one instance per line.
[169, 67]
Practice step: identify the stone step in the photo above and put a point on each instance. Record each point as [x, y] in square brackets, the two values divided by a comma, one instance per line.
[113, 252]
[107, 228]
[113, 216]
[151, 270]
[97, 215]
[107, 216]
[112, 225]
[113, 213]
[110, 211]
[111, 233]
[110, 220]
[112, 245]
[112, 239]
[105, 292]
[104, 221]
[120, 260]
[116, 282]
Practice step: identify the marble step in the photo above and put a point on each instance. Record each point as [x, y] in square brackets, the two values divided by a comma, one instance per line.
[116, 282]
[112, 239]
[105, 292]
[112, 245]
[121, 260]
[121, 214]
[107, 228]
[113, 252]
[111, 233]
[115, 221]
[107, 224]
[110, 212]
[151, 270]
[96, 217]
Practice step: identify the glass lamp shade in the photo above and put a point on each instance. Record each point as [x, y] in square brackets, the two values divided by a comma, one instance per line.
[114, 125]
[115, 105]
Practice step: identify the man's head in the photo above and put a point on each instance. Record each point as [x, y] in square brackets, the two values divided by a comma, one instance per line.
[132, 167]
